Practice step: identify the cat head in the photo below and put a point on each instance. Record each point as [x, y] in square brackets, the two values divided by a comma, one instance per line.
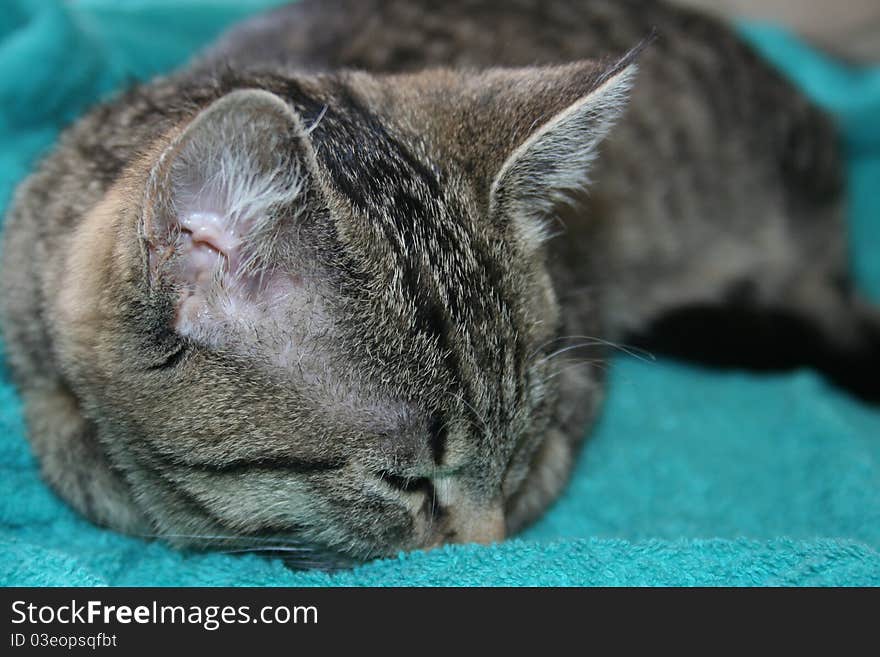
[317, 308]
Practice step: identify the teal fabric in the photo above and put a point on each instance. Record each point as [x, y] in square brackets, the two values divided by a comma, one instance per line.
[693, 476]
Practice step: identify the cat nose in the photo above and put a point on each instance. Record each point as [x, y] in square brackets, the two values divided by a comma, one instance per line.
[484, 526]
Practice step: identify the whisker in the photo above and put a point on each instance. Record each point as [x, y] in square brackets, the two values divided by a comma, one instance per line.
[560, 338]
[485, 426]
[559, 352]
[216, 537]
[207, 537]
[297, 562]
[269, 548]
[631, 350]
[317, 121]
[474, 424]
[295, 554]
[589, 341]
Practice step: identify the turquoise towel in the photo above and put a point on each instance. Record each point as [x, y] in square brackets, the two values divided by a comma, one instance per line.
[693, 477]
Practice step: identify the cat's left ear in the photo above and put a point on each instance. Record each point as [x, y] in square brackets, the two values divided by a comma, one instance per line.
[525, 137]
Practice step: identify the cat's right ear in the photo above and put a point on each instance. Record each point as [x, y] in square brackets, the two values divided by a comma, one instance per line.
[215, 196]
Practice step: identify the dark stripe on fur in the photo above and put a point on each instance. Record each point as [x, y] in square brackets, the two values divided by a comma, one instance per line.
[293, 465]
[241, 465]
[172, 360]
[437, 436]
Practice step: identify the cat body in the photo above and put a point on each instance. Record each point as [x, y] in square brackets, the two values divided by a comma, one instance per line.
[337, 283]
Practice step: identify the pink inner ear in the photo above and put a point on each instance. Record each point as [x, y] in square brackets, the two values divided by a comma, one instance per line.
[207, 242]
[212, 229]
[210, 268]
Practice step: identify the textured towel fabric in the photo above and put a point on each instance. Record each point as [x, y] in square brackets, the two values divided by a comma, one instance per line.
[693, 477]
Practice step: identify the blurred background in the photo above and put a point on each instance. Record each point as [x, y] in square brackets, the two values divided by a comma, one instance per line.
[849, 28]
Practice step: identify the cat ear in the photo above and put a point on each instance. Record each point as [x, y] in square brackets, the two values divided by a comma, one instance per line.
[568, 117]
[525, 137]
[215, 195]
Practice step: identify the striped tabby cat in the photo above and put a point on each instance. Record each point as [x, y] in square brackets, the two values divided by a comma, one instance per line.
[335, 287]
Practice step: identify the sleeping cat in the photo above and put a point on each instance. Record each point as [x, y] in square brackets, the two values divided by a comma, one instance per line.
[336, 288]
